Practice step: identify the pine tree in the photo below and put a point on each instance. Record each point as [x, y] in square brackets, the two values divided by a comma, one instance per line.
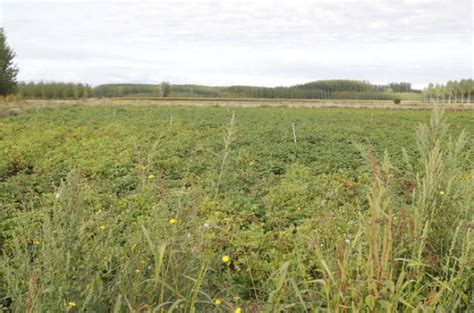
[8, 70]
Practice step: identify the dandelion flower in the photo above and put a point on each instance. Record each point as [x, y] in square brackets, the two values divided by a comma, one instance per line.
[102, 227]
[226, 259]
[217, 301]
[36, 242]
[172, 221]
[71, 304]
[441, 193]
[151, 176]
[238, 310]
[137, 270]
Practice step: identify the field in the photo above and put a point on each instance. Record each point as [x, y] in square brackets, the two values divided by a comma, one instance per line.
[219, 209]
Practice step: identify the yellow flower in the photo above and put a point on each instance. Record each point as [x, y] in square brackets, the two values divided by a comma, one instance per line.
[217, 301]
[137, 270]
[36, 242]
[172, 221]
[441, 193]
[102, 227]
[71, 304]
[226, 259]
[238, 310]
[151, 176]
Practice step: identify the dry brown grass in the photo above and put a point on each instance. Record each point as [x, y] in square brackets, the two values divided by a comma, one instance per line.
[244, 103]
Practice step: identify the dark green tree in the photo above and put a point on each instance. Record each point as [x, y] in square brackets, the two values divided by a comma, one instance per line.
[8, 69]
[164, 89]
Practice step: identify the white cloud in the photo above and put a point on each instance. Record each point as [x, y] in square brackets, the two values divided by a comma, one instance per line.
[240, 42]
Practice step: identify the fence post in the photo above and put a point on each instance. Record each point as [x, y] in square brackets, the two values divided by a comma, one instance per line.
[294, 132]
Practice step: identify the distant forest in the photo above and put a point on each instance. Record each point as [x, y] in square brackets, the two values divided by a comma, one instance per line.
[323, 89]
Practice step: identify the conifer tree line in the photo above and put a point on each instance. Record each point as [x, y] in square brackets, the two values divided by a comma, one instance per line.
[126, 90]
[323, 89]
[328, 89]
[452, 92]
[461, 91]
[8, 70]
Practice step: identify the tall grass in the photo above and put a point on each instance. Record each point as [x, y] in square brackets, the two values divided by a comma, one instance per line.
[410, 249]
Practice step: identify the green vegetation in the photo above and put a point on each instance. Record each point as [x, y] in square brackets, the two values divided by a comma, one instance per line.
[54, 90]
[126, 90]
[8, 70]
[452, 92]
[165, 89]
[207, 209]
[324, 89]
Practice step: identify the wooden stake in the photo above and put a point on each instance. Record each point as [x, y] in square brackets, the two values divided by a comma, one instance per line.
[294, 132]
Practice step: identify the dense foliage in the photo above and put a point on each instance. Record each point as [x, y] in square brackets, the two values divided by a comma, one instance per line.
[126, 90]
[144, 208]
[8, 70]
[334, 90]
[453, 91]
[165, 89]
[324, 89]
[54, 90]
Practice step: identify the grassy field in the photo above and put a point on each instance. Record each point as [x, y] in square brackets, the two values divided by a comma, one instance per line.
[217, 209]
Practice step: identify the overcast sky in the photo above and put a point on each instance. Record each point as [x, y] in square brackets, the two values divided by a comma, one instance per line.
[265, 43]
